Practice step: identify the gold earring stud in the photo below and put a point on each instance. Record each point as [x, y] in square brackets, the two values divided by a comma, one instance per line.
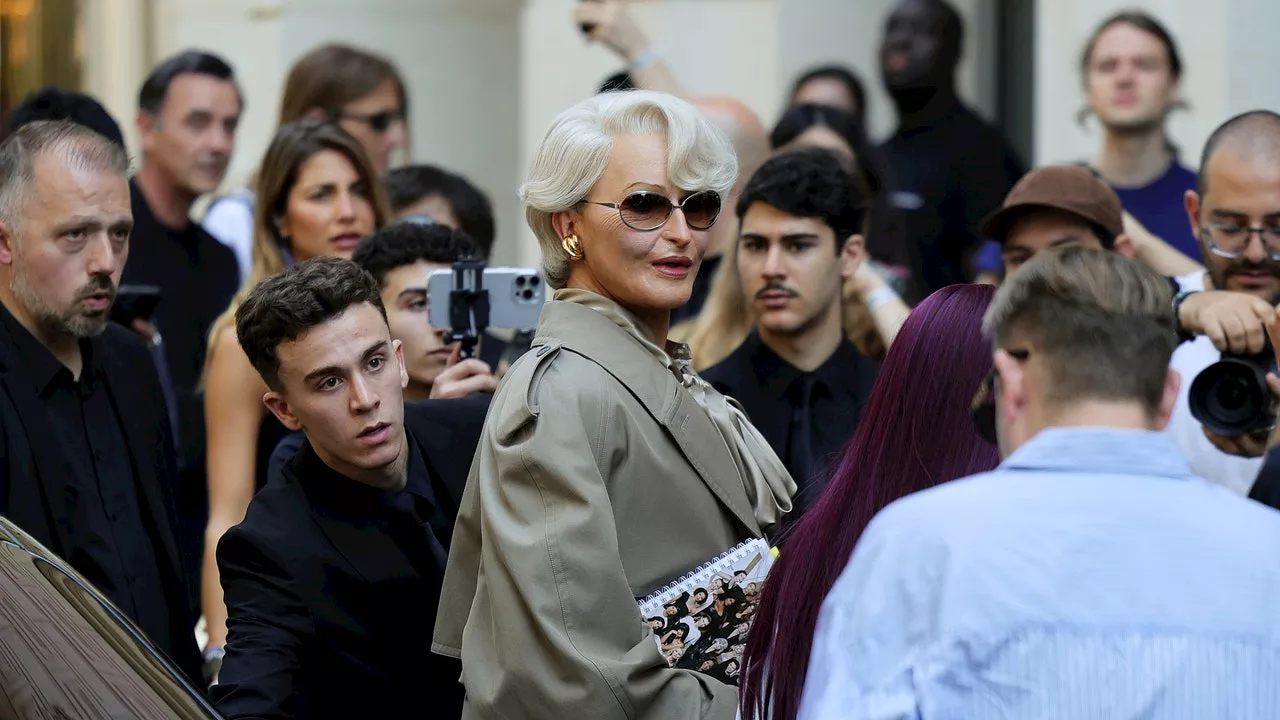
[572, 247]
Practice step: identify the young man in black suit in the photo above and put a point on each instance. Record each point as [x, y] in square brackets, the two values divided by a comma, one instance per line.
[86, 456]
[798, 377]
[332, 580]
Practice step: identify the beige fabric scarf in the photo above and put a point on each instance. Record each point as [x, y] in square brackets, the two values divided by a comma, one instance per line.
[769, 486]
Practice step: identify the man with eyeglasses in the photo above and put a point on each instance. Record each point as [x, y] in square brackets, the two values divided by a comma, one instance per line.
[1092, 574]
[799, 379]
[1235, 214]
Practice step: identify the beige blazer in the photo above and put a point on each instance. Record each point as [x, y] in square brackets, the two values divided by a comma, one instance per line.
[598, 479]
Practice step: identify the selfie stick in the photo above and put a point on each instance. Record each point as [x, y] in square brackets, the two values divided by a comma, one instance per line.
[468, 306]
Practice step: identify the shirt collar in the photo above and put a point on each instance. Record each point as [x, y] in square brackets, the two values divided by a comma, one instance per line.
[46, 369]
[839, 373]
[1101, 450]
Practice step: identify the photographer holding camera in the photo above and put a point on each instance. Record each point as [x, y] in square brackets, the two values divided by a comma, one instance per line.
[1225, 412]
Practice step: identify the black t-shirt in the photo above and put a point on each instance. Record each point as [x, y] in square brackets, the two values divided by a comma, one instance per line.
[947, 175]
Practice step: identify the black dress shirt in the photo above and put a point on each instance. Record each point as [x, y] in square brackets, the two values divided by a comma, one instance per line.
[948, 173]
[197, 276]
[769, 389]
[114, 546]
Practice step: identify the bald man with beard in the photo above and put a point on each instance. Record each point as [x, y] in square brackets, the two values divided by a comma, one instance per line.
[751, 142]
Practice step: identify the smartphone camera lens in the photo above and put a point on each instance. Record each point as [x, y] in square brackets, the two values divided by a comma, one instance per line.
[520, 281]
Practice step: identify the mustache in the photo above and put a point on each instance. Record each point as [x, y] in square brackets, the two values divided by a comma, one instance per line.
[774, 286]
[97, 284]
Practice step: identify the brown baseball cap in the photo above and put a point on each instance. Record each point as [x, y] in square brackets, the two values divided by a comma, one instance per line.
[1074, 189]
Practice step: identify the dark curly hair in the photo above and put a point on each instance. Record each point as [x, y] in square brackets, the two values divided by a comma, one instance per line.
[810, 183]
[406, 243]
[286, 305]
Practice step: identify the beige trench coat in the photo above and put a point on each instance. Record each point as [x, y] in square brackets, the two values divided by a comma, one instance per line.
[598, 479]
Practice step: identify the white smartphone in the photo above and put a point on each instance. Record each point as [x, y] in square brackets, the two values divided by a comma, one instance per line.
[516, 297]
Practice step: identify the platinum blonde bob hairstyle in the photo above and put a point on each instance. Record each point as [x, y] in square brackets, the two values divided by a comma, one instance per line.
[575, 151]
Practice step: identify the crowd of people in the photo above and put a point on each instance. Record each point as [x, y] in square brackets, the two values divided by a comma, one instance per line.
[958, 397]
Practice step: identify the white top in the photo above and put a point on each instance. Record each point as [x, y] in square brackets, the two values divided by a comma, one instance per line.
[1235, 473]
[230, 220]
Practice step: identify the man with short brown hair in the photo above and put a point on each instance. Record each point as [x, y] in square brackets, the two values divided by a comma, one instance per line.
[1092, 573]
[86, 462]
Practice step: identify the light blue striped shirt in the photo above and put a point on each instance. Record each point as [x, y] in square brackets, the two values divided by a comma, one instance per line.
[1090, 576]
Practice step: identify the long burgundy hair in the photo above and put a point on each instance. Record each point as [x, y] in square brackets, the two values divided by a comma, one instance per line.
[916, 432]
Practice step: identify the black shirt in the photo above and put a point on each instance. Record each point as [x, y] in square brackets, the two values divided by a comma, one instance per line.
[113, 546]
[197, 276]
[948, 173]
[767, 391]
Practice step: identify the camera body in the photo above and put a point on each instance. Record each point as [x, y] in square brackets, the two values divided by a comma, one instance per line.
[471, 298]
[1231, 397]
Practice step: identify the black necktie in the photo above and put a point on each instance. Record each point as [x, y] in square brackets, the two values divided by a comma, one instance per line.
[801, 445]
[422, 511]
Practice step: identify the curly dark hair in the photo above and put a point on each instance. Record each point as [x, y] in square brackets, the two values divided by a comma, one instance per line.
[284, 306]
[809, 183]
[406, 243]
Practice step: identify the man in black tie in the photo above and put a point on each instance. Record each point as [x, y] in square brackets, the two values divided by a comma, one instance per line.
[332, 580]
[799, 379]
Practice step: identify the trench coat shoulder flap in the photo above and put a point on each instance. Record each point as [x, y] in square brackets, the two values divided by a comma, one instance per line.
[585, 332]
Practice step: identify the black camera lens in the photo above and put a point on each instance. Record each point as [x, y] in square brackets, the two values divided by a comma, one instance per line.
[520, 281]
[533, 281]
[1231, 397]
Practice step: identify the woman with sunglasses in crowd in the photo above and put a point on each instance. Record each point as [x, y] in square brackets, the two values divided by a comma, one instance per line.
[922, 426]
[607, 468]
[361, 92]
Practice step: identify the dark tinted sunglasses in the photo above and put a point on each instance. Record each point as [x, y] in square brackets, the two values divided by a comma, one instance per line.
[983, 409]
[379, 122]
[644, 210]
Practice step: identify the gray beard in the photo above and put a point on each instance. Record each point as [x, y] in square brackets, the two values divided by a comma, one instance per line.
[51, 320]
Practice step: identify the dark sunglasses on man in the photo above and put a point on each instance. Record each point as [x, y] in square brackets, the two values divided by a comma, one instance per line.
[644, 210]
[983, 408]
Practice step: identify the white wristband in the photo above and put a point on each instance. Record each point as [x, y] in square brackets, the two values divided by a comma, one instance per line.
[879, 297]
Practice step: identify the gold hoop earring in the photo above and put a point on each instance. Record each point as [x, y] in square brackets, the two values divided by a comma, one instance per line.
[572, 247]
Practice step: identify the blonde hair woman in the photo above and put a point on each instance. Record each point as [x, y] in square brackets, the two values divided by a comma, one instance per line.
[320, 195]
[360, 91]
[607, 468]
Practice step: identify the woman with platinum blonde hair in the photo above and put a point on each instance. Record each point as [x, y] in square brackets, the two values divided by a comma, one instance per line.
[607, 467]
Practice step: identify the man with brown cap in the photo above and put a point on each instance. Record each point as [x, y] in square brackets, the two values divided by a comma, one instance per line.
[1054, 207]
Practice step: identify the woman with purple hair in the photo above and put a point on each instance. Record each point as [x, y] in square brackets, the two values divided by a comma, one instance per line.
[916, 432]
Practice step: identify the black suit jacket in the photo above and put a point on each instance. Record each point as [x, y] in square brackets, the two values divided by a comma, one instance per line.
[34, 475]
[331, 613]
